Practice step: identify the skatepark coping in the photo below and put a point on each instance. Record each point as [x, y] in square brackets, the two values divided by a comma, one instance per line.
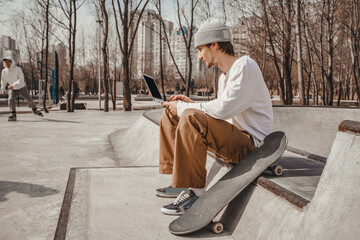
[350, 126]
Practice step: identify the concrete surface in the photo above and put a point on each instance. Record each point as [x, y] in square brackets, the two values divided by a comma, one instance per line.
[300, 176]
[312, 129]
[36, 156]
[115, 196]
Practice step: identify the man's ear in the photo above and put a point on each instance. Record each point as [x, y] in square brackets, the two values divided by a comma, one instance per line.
[215, 45]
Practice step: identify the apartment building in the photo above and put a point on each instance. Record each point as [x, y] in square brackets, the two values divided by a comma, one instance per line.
[8, 49]
[146, 51]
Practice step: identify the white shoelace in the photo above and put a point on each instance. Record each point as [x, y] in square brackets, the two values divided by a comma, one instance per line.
[183, 196]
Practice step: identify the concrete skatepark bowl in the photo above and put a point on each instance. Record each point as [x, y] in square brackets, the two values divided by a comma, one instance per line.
[113, 174]
[313, 199]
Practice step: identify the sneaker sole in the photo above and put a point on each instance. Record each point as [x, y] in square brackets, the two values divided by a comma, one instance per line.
[170, 195]
[169, 212]
[164, 195]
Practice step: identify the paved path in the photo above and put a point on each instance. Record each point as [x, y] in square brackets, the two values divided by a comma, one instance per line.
[36, 155]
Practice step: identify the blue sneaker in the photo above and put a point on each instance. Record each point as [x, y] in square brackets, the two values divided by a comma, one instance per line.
[169, 192]
[181, 204]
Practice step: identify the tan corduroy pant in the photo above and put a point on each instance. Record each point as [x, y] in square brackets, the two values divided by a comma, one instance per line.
[184, 144]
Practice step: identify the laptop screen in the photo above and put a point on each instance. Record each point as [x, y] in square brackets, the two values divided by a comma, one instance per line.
[150, 82]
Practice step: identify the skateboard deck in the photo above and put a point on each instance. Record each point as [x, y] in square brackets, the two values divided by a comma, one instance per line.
[206, 208]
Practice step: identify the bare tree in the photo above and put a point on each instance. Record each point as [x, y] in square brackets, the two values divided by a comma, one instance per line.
[324, 46]
[45, 4]
[158, 4]
[308, 65]
[69, 9]
[187, 36]
[331, 9]
[127, 17]
[352, 24]
[204, 10]
[279, 35]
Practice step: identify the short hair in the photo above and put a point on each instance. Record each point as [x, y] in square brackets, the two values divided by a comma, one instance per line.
[225, 47]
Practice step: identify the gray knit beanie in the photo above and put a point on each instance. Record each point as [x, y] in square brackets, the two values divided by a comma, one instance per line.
[210, 31]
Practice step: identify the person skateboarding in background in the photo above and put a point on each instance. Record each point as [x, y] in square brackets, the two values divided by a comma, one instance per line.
[230, 126]
[14, 76]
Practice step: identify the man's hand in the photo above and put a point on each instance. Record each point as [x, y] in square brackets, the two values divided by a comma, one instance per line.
[172, 106]
[181, 98]
[10, 87]
[174, 100]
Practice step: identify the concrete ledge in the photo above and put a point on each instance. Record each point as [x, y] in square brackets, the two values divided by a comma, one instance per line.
[307, 154]
[289, 196]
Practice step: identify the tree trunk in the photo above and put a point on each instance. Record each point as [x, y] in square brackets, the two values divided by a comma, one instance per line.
[274, 57]
[161, 52]
[114, 83]
[46, 55]
[299, 54]
[126, 56]
[105, 56]
[71, 74]
[73, 96]
[330, 43]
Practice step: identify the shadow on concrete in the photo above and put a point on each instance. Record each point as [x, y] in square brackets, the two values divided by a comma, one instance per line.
[230, 217]
[214, 170]
[234, 211]
[297, 167]
[300, 173]
[299, 163]
[32, 190]
[48, 120]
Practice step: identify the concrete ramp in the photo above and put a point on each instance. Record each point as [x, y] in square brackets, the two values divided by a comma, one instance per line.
[138, 145]
[309, 201]
[335, 208]
[332, 213]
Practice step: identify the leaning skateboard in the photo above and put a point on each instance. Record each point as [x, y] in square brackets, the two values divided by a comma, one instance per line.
[207, 207]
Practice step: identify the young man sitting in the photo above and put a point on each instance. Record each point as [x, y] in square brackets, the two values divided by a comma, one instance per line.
[230, 126]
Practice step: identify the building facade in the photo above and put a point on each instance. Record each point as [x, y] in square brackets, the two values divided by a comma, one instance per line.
[146, 49]
[8, 49]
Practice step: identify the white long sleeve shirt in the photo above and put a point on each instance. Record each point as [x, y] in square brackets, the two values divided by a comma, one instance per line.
[243, 100]
[13, 76]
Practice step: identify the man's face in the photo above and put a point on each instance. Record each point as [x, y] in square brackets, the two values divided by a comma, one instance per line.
[7, 63]
[206, 54]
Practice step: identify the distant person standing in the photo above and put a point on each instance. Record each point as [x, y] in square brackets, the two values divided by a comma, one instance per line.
[14, 76]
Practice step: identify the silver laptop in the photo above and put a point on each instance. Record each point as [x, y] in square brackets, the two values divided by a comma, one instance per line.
[154, 90]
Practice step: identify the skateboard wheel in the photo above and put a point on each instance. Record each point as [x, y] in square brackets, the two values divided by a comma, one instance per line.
[277, 170]
[217, 227]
